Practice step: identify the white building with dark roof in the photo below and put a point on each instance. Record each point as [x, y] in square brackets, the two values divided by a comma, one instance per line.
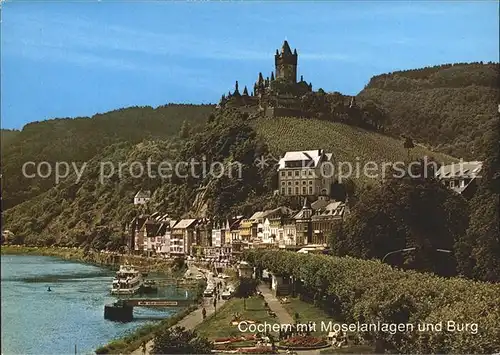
[461, 177]
[305, 173]
[142, 197]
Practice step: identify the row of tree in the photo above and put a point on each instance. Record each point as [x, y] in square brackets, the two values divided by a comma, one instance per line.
[370, 292]
[418, 223]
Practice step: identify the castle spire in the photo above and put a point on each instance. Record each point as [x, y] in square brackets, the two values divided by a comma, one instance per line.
[245, 91]
[302, 78]
[236, 91]
[285, 50]
[272, 76]
[261, 78]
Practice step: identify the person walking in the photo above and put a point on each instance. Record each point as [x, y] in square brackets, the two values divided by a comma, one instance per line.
[204, 313]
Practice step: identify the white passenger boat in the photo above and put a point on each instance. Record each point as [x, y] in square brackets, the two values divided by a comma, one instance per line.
[128, 281]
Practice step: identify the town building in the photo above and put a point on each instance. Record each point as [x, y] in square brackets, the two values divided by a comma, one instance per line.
[183, 238]
[142, 197]
[461, 177]
[305, 173]
[314, 226]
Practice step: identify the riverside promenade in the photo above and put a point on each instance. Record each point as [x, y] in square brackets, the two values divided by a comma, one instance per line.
[281, 313]
[192, 319]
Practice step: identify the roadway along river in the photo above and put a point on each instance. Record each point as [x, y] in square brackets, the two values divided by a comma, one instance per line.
[35, 321]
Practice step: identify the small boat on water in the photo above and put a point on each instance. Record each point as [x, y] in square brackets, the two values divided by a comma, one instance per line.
[128, 281]
[149, 286]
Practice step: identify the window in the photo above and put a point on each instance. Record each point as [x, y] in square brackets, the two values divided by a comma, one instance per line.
[289, 173]
[289, 182]
[289, 190]
[303, 182]
[296, 173]
[282, 173]
[310, 190]
[310, 173]
[296, 182]
[304, 190]
[310, 182]
[452, 184]
[283, 183]
[297, 191]
[282, 190]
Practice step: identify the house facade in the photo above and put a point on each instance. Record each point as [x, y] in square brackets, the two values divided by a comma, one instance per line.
[305, 173]
[142, 197]
[461, 177]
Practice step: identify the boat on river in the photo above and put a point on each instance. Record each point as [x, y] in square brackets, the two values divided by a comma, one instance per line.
[128, 281]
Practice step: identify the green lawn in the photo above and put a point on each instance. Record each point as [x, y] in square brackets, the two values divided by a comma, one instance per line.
[308, 312]
[354, 349]
[219, 325]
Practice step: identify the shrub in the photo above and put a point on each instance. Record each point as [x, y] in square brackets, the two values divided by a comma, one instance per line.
[372, 292]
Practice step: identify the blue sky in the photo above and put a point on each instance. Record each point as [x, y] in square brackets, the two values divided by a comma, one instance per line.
[70, 59]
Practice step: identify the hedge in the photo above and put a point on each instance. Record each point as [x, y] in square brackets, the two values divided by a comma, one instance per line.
[368, 291]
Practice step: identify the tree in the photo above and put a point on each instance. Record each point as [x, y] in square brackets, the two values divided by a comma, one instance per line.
[405, 213]
[178, 340]
[185, 130]
[246, 288]
[408, 145]
[478, 253]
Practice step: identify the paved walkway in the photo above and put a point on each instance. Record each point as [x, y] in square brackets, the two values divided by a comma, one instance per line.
[274, 304]
[190, 321]
[283, 316]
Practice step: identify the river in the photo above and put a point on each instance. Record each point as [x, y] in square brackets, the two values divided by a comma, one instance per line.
[35, 321]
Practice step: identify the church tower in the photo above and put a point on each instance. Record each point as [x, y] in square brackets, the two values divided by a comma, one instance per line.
[286, 64]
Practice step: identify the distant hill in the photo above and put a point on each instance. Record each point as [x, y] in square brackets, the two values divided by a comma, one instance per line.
[80, 139]
[7, 136]
[433, 105]
[448, 107]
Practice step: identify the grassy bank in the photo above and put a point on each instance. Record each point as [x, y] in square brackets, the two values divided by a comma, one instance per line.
[134, 340]
[64, 253]
[219, 325]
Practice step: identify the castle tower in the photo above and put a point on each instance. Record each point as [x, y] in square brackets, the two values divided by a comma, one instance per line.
[286, 64]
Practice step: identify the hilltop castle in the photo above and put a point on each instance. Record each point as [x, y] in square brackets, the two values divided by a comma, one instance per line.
[276, 95]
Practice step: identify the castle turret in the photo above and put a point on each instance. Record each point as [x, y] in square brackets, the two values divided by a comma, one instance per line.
[272, 76]
[236, 91]
[245, 91]
[286, 64]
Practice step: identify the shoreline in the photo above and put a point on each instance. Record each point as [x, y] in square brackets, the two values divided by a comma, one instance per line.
[111, 260]
[132, 341]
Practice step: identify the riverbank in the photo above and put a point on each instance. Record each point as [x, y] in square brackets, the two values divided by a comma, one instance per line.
[111, 260]
[133, 340]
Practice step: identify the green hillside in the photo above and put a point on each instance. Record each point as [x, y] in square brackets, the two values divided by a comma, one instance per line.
[449, 107]
[94, 212]
[347, 143]
[80, 139]
[7, 136]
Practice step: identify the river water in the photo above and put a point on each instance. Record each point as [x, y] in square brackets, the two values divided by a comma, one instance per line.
[35, 321]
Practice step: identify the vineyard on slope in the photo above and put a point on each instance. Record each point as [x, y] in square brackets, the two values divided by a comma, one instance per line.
[347, 143]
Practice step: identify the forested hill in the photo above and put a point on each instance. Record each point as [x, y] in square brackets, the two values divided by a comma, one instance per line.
[80, 139]
[7, 136]
[449, 107]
